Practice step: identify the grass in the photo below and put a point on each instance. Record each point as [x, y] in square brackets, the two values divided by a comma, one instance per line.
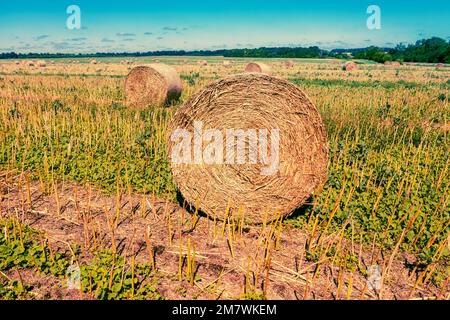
[388, 179]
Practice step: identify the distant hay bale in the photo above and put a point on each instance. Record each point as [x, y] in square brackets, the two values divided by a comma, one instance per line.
[252, 103]
[154, 85]
[30, 63]
[289, 64]
[258, 67]
[227, 63]
[41, 64]
[17, 62]
[94, 61]
[350, 66]
[392, 63]
[202, 62]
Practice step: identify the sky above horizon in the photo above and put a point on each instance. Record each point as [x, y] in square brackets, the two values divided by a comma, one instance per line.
[139, 25]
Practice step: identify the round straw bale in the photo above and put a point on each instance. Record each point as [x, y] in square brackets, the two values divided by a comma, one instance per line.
[154, 84]
[258, 67]
[392, 63]
[202, 62]
[30, 63]
[17, 62]
[227, 63]
[289, 64]
[93, 61]
[350, 66]
[274, 179]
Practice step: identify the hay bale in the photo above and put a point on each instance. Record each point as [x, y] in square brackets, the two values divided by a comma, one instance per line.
[17, 62]
[289, 64]
[94, 61]
[258, 67]
[227, 63]
[392, 63]
[202, 62]
[30, 63]
[154, 84]
[250, 102]
[350, 66]
[41, 64]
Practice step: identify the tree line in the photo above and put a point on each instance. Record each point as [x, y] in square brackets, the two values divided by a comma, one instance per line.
[433, 50]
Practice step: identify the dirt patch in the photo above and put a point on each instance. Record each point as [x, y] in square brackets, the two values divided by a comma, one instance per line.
[273, 259]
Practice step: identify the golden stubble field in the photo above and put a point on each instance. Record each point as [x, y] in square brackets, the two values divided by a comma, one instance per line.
[85, 184]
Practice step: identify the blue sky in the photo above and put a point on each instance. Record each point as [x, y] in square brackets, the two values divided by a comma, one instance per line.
[138, 25]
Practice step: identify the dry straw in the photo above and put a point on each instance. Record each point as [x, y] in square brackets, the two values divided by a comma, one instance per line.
[350, 66]
[252, 101]
[155, 85]
[258, 67]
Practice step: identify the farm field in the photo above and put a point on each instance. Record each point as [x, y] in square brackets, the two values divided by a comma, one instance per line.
[85, 184]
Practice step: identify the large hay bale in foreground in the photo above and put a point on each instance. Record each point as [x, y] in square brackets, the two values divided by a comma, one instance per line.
[258, 67]
[277, 174]
[154, 85]
[350, 66]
